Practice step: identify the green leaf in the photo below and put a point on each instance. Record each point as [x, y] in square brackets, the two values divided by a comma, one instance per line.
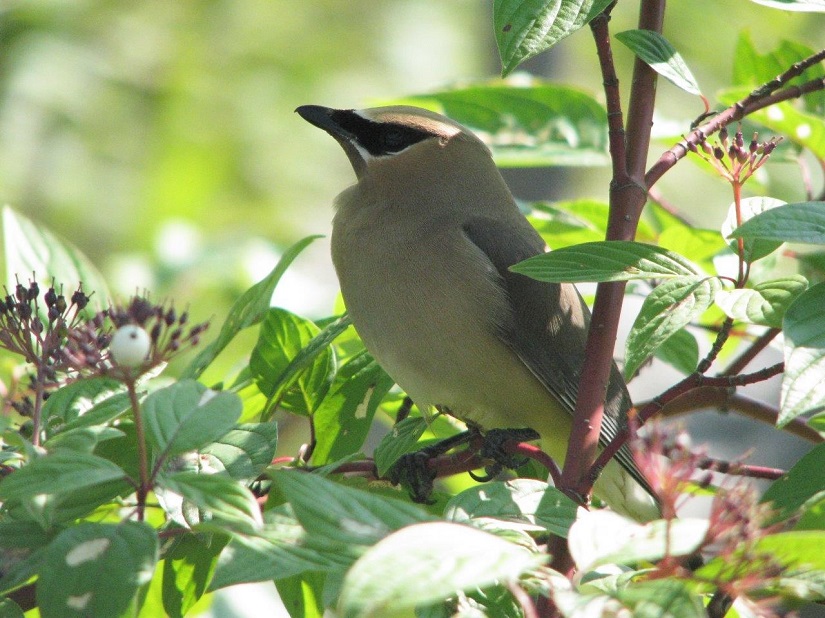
[303, 594]
[345, 515]
[345, 417]
[218, 496]
[764, 304]
[802, 222]
[664, 597]
[82, 439]
[755, 248]
[670, 307]
[247, 311]
[700, 244]
[96, 569]
[680, 351]
[536, 125]
[529, 504]
[799, 485]
[282, 339]
[604, 537]
[278, 551]
[63, 472]
[10, 609]
[525, 28]
[187, 570]
[187, 415]
[406, 569]
[30, 248]
[402, 439]
[803, 389]
[803, 549]
[75, 400]
[245, 451]
[610, 260]
[656, 51]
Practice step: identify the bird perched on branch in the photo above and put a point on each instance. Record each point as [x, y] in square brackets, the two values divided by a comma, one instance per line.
[422, 244]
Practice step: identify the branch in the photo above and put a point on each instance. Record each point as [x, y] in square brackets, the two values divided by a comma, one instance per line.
[740, 469]
[759, 98]
[627, 198]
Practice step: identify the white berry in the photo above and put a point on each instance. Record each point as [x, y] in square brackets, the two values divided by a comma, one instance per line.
[130, 346]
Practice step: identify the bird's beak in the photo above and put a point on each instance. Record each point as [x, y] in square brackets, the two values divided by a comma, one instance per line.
[321, 117]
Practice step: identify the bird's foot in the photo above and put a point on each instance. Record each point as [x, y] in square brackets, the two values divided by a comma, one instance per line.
[495, 446]
[413, 471]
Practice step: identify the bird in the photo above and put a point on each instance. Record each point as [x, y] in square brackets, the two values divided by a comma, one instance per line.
[422, 244]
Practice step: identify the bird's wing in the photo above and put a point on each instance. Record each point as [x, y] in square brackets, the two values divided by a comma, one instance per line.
[534, 325]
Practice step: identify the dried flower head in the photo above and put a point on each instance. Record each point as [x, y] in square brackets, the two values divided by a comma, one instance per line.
[126, 341]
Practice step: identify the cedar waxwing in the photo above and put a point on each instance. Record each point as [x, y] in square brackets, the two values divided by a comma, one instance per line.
[422, 244]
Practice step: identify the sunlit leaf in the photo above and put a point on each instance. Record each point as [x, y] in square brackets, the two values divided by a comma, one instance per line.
[670, 307]
[406, 569]
[765, 303]
[525, 28]
[749, 208]
[802, 222]
[402, 439]
[345, 417]
[803, 389]
[656, 51]
[528, 503]
[345, 515]
[613, 260]
[809, 6]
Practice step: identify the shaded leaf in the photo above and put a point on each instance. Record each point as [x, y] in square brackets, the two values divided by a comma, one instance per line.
[668, 308]
[612, 260]
[803, 482]
[187, 570]
[96, 569]
[680, 351]
[803, 389]
[63, 472]
[345, 417]
[656, 51]
[401, 439]
[284, 337]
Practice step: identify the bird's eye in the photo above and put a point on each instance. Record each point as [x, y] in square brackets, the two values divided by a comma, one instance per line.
[392, 139]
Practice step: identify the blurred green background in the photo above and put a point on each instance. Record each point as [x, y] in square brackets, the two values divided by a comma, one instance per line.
[159, 136]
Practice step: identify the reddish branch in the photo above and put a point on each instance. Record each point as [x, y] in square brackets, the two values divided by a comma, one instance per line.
[627, 198]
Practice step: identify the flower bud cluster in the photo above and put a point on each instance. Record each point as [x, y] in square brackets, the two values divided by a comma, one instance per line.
[732, 158]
